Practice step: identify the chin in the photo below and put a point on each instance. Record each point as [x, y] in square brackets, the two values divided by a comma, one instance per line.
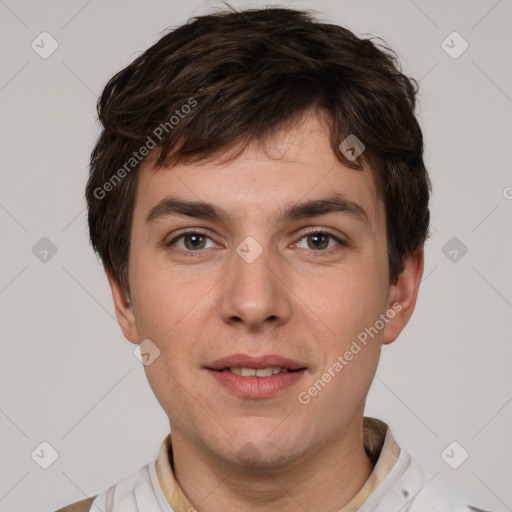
[254, 458]
[263, 452]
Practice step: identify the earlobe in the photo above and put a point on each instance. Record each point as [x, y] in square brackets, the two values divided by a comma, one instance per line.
[402, 296]
[124, 309]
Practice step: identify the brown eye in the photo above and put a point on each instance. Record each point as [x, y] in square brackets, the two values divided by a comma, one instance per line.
[319, 241]
[195, 241]
[191, 241]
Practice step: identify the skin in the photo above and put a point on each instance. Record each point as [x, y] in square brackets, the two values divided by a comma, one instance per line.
[295, 300]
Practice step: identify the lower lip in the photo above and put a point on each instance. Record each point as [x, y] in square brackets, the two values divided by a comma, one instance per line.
[257, 387]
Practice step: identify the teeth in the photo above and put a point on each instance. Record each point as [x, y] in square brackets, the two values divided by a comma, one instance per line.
[260, 372]
[264, 372]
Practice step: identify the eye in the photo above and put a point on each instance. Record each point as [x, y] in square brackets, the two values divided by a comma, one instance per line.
[191, 241]
[195, 241]
[319, 241]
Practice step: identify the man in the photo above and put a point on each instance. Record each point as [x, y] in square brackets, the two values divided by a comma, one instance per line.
[259, 200]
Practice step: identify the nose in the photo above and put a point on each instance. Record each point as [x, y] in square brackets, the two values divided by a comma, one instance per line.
[255, 293]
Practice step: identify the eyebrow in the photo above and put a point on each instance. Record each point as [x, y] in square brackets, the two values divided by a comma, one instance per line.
[171, 206]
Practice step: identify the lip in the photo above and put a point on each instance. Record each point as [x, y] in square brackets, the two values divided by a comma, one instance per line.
[256, 387]
[248, 361]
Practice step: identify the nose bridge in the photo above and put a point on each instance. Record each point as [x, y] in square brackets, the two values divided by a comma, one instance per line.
[253, 292]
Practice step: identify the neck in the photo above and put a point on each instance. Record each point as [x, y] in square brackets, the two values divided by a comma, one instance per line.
[326, 479]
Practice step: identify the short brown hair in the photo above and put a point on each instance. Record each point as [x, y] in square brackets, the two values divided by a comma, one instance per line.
[225, 80]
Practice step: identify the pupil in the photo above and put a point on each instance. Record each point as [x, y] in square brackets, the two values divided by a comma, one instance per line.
[194, 241]
[317, 238]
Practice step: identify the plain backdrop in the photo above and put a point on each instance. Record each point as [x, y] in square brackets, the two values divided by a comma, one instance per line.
[68, 377]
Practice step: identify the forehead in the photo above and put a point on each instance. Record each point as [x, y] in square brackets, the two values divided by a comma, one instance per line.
[296, 164]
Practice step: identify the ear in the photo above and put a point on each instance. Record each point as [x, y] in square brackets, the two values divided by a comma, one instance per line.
[124, 310]
[402, 296]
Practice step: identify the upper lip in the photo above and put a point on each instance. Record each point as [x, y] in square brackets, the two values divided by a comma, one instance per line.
[248, 361]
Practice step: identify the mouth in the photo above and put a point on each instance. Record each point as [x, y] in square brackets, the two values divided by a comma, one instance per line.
[246, 362]
[256, 377]
[257, 372]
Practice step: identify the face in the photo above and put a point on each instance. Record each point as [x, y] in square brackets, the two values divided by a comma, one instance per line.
[276, 262]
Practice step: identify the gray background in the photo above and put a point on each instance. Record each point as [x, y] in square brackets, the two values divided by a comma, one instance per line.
[67, 375]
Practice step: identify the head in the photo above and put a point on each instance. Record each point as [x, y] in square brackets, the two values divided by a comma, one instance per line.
[236, 128]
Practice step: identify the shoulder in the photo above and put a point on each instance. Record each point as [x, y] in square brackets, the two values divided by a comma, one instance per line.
[137, 491]
[429, 495]
[437, 497]
[406, 488]
[79, 506]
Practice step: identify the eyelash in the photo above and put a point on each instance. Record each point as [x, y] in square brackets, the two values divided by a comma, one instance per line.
[184, 234]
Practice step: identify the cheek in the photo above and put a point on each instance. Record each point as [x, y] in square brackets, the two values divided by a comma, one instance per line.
[168, 387]
[165, 297]
[173, 314]
[350, 301]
